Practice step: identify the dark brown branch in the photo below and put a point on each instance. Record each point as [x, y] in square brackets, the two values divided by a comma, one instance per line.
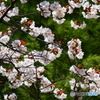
[12, 48]
[26, 14]
[10, 63]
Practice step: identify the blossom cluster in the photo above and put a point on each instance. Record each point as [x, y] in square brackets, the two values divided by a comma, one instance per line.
[74, 49]
[30, 75]
[29, 26]
[57, 11]
[4, 38]
[60, 94]
[91, 10]
[23, 1]
[45, 57]
[11, 96]
[76, 3]
[24, 72]
[91, 78]
[47, 86]
[10, 13]
[77, 24]
[19, 45]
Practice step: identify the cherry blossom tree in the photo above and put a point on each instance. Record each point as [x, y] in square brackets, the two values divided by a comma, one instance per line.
[46, 49]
